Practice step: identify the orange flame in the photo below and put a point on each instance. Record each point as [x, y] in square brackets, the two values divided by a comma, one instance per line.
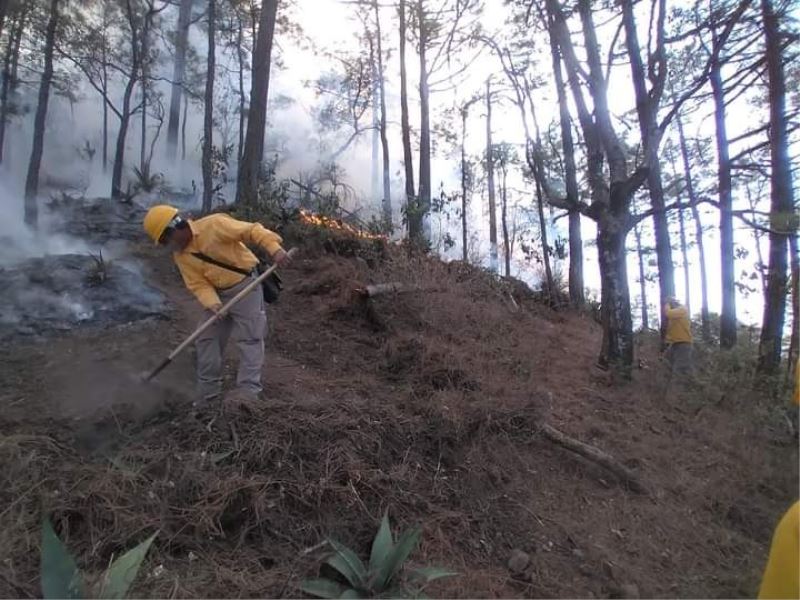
[310, 218]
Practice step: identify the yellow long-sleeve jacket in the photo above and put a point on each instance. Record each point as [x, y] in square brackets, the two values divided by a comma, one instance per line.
[782, 575]
[679, 329]
[222, 238]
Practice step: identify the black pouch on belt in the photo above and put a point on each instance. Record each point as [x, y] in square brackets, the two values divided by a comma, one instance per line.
[271, 287]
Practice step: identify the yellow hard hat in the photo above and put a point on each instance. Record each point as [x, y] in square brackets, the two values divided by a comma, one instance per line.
[157, 219]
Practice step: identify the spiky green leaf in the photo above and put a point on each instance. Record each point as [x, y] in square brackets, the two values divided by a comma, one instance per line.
[60, 575]
[351, 593]
[394, 562]
[382, 545]
[348, 564]
[119, 577]
[428, 574]
[322, 588]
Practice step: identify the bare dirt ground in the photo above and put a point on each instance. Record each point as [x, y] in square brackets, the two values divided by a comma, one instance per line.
[426, 404]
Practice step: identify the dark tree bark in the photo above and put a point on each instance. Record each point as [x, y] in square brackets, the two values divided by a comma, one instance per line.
[781, 200]
[387, 184]
[208, 117]
[705, 318]
[32, 180]
[416, 219]
[610, 199]
[548, 271]
[104, 87]
[3, 13]
[576, 287]
[183, 125]
[682, 238]
[178, 73]
[490, 182]
[408, 160]
[685, 261]
[240, 58]
[125, 113]
[637, 234]
[9, 76]
[464, 244]
[144, 86]
[647, 104]
[794, 341]
[727, 334]
[250, 167]
[504, 219]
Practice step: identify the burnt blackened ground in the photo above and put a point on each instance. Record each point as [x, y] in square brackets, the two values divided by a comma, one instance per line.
[58, 293]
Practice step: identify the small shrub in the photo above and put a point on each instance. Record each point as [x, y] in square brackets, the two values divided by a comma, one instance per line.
[382, 576]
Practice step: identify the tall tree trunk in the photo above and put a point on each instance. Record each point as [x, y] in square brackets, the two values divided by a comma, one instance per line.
[408, 160]
[252, 157]
[548, 271]
[781, 200]
[3, 13]
[685, 260]
[705, 317]
[647, 109]
[611, 195]
[637, 233]
[178, 73]
[105, 91]
[240, 57]
[32, 180]
[464, 244]
[617, 348]
[504, 220]
[387, 184]
[794, 340]
[683, 243]
[490, 181]
[376, 119]
[208, 120]
[122, 134]
[143, 167]
[423, 204]
[183, 125]
[125, 113]
[727, 334]
[9, 77]
[576, 287]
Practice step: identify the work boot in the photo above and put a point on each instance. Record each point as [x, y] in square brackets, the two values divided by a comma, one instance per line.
[242, 399]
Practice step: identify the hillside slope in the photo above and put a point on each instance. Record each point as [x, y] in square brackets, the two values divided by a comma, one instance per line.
[426, 403]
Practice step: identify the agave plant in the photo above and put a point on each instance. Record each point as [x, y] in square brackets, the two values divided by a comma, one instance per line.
[379, 578]
[62, 579]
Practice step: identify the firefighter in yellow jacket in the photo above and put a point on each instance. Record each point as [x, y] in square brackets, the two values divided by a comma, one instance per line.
[782, 573]
[216, 265]
[678, 337]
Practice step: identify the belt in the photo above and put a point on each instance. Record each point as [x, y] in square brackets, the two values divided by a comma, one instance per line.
[230, 287]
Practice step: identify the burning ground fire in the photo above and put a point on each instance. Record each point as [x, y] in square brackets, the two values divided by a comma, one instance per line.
[310, 218]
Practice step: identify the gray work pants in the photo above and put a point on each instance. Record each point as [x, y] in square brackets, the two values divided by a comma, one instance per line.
[247, 321]
[680, 357]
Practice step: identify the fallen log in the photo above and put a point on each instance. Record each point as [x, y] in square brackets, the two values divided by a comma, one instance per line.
[594, 455]
[377, 289]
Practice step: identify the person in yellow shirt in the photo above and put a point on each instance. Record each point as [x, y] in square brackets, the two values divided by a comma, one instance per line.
[782, 574]
[678, 337]
[215, 265]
